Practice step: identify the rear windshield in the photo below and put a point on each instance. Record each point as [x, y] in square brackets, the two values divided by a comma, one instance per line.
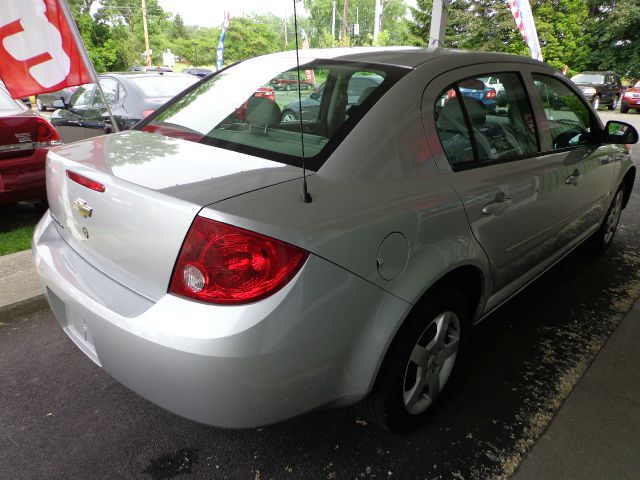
[588, 78]
[244, 109]
[7, 104]
[155, 86]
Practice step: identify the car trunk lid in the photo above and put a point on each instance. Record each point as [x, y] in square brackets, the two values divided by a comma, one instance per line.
[125, 202]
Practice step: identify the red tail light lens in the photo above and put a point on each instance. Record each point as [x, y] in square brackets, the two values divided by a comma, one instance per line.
[451, 94]
[85, 182]
[490, 94]
[223, 264]
[46, 135]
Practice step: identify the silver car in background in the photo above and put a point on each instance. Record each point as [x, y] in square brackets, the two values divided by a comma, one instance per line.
[184, 258]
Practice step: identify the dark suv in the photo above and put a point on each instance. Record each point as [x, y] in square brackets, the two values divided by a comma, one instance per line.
[600, 88]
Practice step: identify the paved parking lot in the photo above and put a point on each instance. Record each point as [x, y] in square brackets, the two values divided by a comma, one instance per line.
[62, 417]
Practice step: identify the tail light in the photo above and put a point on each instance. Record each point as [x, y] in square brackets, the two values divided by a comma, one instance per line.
[85, 181]
[46, 134]
[451, 94]
[146, 113]
[223, 264]
[490, 94]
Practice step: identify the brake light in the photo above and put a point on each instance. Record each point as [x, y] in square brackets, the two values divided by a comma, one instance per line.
[451, 94]
[146, 113]
[490, 94]
[85, 182]
[223, 264]
[46, 135]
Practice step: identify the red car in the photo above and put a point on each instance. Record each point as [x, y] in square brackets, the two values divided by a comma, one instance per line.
[289, 81]
[24, 139]
[631, 99]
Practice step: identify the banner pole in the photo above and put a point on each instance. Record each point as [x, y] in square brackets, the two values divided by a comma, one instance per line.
[87, 61]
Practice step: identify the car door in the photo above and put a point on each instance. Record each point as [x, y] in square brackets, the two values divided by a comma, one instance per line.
[70, 121]
[510, 192]
[96, 116]
[570, 134]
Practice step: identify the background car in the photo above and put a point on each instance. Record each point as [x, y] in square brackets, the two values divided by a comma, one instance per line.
[198, 72]
[289, 81]
[24, 139]
[631, 99]
[600, 88]
[151, 68]
[44, 101]
[242, 271]
[131, 96]
[359, 87]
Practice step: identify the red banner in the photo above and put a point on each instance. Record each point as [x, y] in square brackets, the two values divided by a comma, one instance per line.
[38, 48]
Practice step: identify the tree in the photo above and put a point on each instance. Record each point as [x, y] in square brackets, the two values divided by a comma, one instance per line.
[178, 29]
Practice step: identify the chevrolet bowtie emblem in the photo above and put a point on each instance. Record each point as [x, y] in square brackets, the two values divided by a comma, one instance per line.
[83, 209]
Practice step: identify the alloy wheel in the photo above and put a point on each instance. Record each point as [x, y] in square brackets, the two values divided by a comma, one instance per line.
[611, 223]
[431, 362]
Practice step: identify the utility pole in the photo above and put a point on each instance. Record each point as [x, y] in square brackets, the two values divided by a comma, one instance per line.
[377, 16]
[286, 38]
[333, 21]
[345, 25]
[439, 19]
[146, 33]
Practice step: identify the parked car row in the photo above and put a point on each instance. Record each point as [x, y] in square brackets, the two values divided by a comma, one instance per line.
[197, 262]
[25, 138]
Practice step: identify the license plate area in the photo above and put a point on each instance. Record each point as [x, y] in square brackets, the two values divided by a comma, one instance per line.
[74, 324]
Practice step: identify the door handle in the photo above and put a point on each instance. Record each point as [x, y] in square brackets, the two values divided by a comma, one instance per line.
[573, 178]
[498, 205]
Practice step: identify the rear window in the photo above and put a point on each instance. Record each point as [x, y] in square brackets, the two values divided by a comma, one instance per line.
[7, 104]
[588, 78]
[238, 108]
[155, 86]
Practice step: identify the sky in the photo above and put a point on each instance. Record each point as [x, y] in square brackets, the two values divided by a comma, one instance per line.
[210, 13]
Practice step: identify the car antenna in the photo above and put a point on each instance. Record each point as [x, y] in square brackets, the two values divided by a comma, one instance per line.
[305, 195]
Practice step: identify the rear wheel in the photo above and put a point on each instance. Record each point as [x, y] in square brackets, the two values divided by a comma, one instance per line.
[595, 103]
[422, 359]
[624, 108]
[287, 87]
[614, 105]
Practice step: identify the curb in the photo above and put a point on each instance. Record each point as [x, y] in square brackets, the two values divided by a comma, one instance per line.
[23, 307]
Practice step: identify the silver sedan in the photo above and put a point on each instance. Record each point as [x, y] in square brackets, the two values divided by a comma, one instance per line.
[238, 267]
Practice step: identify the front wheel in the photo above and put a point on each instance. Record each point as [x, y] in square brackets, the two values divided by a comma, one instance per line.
[595, 103]
[420, 362]
[614, 105]
[624, 108]
[289, 116]
[604, 235]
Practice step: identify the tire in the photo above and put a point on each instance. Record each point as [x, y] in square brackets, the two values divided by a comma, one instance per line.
[39, 105]
[422, 359]
[614, 105]
[603, 237]
[624, 108]
[287, 87]
[595, 103]
[289, 116]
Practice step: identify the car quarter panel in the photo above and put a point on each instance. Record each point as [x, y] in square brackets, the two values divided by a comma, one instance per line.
[232, 366]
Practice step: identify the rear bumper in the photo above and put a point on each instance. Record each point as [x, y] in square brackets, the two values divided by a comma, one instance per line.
[23, 178]
[318, 341]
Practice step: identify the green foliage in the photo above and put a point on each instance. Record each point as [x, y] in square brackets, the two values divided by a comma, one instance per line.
[248, 37]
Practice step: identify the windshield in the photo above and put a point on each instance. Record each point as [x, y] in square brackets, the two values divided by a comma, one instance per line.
[155, 86]
[244, 108]
[588, 78]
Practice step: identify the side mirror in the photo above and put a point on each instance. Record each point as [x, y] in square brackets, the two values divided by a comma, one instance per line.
[620, 133]
[59, 104]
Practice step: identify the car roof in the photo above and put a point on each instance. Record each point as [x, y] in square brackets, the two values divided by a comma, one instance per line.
[407, 57]
[142, 74]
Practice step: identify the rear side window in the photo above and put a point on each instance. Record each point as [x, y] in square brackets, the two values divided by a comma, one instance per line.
[244, 108]
[486, 119]
[568, 117]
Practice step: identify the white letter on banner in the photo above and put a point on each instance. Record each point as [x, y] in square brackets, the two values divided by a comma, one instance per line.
[38, 37]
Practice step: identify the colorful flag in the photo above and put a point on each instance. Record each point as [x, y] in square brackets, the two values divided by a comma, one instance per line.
[521, 10]
[38, 48]
[223, 34]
